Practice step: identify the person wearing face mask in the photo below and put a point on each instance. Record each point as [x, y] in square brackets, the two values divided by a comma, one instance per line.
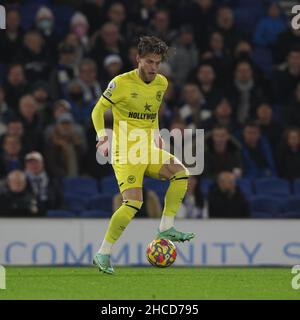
[80, 26]
[44, 23]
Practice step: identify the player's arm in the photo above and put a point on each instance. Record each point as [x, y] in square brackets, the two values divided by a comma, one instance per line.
[109, 97]
[157, 137]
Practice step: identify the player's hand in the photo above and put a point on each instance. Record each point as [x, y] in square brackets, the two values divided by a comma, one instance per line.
[160, 142]
[103, 146]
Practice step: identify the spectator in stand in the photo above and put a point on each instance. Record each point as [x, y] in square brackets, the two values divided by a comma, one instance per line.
[257, 153]
[288, 156]
[64, 72]
[285, 79]
[34, 57]
[161, 26]
[46, 190]
[5, 112]
[217, 55]
[222, 115]
[11, 38]
[60, 107]
[206, 79]
[105, 42]
[15, 86]
[79, 25]
[270, 128]
[186, 57]
[245, 92]
[292, 111]
[11, 157]
[15, 128]
[225, 25]
[193, 202]
[16, 198]
[225, 199]
[151, 207]
[32, 123]
[222, 153]
[285, 43]
[270, 27]
[88, 78]
[65, 150]
[112, 66]
[95, 12]
[80, 109]
[191, 112]
[116, 14]
[45, 24]
[143, 13]
[201, 15]
[131, 62]
[40, 92]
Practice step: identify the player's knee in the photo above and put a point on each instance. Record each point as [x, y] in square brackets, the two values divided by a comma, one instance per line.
[181, 175]
[134, 205]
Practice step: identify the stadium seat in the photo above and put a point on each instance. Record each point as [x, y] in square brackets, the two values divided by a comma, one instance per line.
[95, 214]
[205, 184]
[292, 204]
[109, 184]
[101, 202]
[266, 204]
[245, 186]
[272, 186]
[75, 203]
[291, 215]
[60, 214]
[263, 58]
[156, 185]
[84, 186]
[261, 215]
[296, 187]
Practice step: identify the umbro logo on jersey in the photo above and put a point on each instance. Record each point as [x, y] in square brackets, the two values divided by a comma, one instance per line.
[134, 94]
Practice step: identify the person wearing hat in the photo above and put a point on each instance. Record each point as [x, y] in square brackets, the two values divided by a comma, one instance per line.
[59, 107]
[112, 67]
[65, 148]
[46, 190]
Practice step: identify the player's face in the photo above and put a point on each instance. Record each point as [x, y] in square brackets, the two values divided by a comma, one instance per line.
[148, 66]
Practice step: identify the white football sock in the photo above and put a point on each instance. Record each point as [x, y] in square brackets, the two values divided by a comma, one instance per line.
[166, 223]
[106, 247]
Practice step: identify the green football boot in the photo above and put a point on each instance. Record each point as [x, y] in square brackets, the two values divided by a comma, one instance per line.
[102, 261]
[174, 235]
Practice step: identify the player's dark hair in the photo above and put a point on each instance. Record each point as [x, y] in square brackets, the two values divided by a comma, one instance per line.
[151, 44]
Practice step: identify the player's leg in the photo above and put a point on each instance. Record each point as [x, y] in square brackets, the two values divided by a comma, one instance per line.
[130, 183]
[174, 171]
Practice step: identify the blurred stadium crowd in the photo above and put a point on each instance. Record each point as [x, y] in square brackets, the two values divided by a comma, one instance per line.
[235, 73]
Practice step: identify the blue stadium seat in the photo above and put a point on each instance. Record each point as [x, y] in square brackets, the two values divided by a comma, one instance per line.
[292, 204]
[272, 186]
[266, 204]
[101, 202]
[84, 186]
[60, 214]
[109, 184]
[156, 185]
[247, 18]
[95, 214]
[261, 215]
[263, 57]
[296, 186]
[205, 184]
[291, 215]
[245, 186]
[75, 203]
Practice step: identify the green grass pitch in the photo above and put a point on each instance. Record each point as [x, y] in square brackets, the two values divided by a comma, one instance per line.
[148, 283]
